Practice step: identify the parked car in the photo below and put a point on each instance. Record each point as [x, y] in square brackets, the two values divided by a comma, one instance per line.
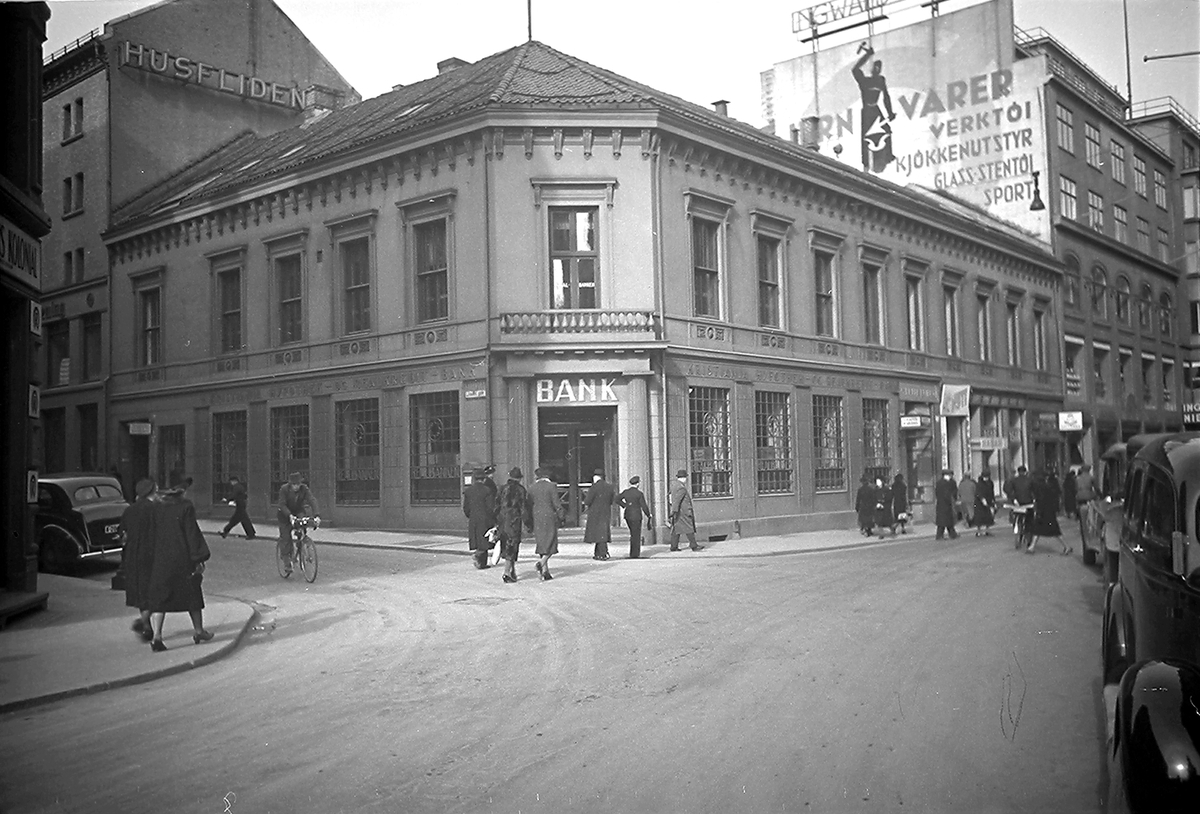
[1151, 633]
[78, 516]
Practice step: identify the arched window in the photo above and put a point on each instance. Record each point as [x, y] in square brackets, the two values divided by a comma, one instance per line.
[1145, 303]
[1122, 299]
[1099, 293]
[1166, 315]
[1071, 283]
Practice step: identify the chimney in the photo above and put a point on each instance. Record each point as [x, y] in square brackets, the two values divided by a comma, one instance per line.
[319, 101]
[721, 106]
[448, 65]
[810, 132]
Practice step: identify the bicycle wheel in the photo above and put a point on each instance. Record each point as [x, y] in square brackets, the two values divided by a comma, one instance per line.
[284, 566]
[308, 558]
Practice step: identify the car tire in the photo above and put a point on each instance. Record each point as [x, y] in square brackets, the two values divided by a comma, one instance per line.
[56, 551]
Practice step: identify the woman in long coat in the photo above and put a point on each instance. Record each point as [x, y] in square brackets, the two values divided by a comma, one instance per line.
[983, 517]
[513, 514]
[900, 503]
[546, 507]
[178, 563]
[1045, 513]
[945, 495]
[883, 507]
[864, 504]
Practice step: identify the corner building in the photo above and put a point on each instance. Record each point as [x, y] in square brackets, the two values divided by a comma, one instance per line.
[529, 260]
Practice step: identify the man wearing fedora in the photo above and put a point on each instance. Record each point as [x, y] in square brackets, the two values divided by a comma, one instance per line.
[634, 503]
[945, 495]
[598, 501]
[480, 508]
[683, 520]
[514, 512]
[295, 500]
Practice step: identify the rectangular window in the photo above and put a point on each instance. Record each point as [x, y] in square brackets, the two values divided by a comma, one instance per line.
[78, 118]
[289, 444]
[68, 195]
[1066, 129]
[230, 441]
[768, 282]
[1072, 353]
[914, 295]
[1164, 246]
[1194, 311]
[825, 304]
[433, 270]
[92, 347]
[706, 268]
[434, 433]
[172, 453]
[1139, 175]
[872, 303]
[80, 271]
[1168, 383]
[1121, 222]
[950, 309]
[985, 327]
[89, 437]
[1039, 339]
[877, 447]
[1067, 198]
[1012, 326]
[1191, 202]
[574, 257]
[1117, 150]
[357, 443]
[58, 353]
[1125, 369]
[1100, 372]
[1095, 211]
[829, 444]
[68, 128]
[229, 294]
[54, 439]
[68, 268]
[1143, 235]
[77, 193]
[1147, 381]
[150, 327]
[773, 443]
[290, 284]
[1160, 189]
[1091, 135]
[356, 285]
[710, 440]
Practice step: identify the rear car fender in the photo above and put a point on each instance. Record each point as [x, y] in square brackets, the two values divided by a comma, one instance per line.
[1154, 756]
[1115, 652]
[54, 529]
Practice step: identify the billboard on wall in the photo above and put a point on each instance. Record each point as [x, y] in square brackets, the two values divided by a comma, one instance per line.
[939, 102]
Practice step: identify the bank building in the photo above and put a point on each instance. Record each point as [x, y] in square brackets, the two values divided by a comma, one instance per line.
[532, 260]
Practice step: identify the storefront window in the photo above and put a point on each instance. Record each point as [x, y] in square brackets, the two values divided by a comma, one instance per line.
[772, 440]
[172, 455]
[357, 441]
[434, 445]
[829, 449]
[709, 437]
[229, 451]
[877, 447]
[289, 443]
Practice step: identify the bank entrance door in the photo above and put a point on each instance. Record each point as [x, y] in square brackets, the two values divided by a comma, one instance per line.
[573, 442]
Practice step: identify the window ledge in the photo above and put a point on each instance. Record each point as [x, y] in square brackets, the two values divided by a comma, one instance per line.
[71, 139]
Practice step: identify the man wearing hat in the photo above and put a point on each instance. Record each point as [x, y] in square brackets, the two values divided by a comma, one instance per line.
[547, 515]
[514, 512]
[480, 508]
[598, 502]
[683, 520]
[295, 500]
[634, 503]
[945, 495]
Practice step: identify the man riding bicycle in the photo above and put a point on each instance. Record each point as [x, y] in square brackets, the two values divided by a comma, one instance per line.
[295, 500]
[1020, 494]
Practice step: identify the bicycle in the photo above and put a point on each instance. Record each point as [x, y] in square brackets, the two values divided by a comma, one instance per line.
[304, 550]
[1024, 535]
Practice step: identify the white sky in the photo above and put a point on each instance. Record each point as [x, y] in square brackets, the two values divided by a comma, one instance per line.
[701, 50]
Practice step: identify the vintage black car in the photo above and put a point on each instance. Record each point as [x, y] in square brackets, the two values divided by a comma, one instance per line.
[78, 516]
[1151, 644]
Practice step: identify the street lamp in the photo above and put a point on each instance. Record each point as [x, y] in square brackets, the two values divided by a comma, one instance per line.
[1036, 205]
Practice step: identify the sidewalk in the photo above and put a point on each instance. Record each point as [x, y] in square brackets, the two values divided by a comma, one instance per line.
[81, 643]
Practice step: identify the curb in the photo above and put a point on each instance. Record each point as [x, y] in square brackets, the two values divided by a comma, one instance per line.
[220, 652]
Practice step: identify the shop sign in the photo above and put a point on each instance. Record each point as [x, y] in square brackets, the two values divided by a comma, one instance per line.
[914, 422]
[20, 255]
[989, 442]
[35, 401]
[1191, 416]
[956, 399]
[139, 427]
[481, 393]
[585, 391]
[184, 69]
[1014, 436]
[1071, 421]
[35, 318]
[31, 486]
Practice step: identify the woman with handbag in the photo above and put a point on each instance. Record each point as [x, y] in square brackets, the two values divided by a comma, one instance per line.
[177, 560]
[900, 503]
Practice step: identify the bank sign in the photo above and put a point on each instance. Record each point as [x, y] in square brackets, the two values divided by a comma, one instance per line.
[20, 255]
[939, 103]
[185, 69]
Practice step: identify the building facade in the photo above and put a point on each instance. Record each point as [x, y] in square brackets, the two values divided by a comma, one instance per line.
[126, 107]
[481, 268]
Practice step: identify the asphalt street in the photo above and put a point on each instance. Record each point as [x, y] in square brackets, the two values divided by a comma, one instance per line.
[926, 676]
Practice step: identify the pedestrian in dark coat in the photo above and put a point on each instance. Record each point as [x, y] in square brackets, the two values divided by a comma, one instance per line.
[1045, 513]
[480, 508]
[864, 504]
[945, 495]
[237, 494]
[513, 513]
[900, 503]
[634, 503]
[883, 507]
[598, 502]
[180, 553]
[683, 517]
[984, 515]
[547, 516]
[1070, 507]
[137, 523]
